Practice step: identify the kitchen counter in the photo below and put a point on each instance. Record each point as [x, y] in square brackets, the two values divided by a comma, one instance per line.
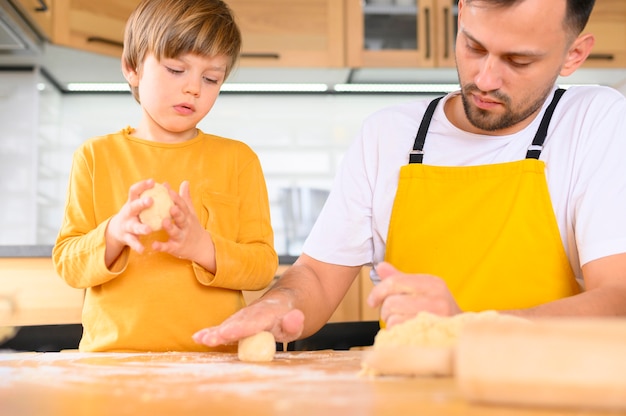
[26, 251]
[296, 383]
[46, 251]
[31, 292]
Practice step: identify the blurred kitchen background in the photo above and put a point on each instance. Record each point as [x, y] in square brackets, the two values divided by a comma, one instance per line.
[340, 59]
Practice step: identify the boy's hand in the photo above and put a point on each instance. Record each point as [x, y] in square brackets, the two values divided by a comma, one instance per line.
[187, 237]
[125, 226]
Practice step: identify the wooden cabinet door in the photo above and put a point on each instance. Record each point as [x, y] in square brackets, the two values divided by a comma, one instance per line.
[291, 33]
[39, 13]
[387, 34]
[446, 28]
[608, 24]
[298, 33]
[95, 26]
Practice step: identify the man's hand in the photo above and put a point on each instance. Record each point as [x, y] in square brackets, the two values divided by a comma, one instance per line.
[284, 322]
[402, 296]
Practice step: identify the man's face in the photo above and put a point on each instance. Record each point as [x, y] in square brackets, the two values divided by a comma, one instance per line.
[508, 59]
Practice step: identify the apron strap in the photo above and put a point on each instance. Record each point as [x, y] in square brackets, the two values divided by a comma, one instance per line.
[534, 150]
[417, 154]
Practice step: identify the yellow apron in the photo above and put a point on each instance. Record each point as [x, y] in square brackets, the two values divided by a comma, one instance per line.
[489, 231]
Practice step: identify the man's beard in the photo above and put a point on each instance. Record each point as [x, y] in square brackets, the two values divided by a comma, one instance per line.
[487, 121]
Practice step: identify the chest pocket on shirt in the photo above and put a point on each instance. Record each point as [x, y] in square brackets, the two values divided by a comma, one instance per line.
[220, 214]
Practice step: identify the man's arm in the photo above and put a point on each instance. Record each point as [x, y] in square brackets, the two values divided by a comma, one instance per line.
[298, 304]
[401, 296]
[604, 295]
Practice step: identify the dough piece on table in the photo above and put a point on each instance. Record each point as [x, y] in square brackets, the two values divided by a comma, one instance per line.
[259, 347]
[159, 210]
[422, 346]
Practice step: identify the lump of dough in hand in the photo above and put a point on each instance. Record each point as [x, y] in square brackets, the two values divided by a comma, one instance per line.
[159, 210]
[260, 347]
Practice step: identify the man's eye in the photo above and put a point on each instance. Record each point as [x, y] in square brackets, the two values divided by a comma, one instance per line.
[519, 64]
[475, 49]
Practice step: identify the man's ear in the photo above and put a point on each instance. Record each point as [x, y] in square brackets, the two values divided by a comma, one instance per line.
[131, 74]
[577, 53]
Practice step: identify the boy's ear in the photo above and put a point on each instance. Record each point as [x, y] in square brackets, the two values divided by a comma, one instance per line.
[130, 74]
[577, 54]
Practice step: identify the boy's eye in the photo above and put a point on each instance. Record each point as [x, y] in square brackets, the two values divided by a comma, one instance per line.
[210, 80]
[173, 71]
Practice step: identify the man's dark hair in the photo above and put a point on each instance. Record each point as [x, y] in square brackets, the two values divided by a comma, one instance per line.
[576, 15]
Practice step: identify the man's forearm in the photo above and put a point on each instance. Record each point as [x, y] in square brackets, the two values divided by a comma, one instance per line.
[300, 288]
[603, 301]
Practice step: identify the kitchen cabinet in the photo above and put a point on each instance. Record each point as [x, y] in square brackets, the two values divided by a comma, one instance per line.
[31, 293]
[421, 33]
[400, 33]
[294, 33]
[38, 13]
[93, 26]
[317, 33]
[608, 23]
[291, 33]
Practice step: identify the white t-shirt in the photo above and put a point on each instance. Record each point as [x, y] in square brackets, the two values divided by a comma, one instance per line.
[584, 152]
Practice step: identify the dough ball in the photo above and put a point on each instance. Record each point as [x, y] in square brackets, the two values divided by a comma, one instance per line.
[260, 347]
[159, 210]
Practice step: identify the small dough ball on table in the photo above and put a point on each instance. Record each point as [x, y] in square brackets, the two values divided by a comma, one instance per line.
[159, 210]
[260, 347]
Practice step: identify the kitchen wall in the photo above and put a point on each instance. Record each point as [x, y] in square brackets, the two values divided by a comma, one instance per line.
[300, 140]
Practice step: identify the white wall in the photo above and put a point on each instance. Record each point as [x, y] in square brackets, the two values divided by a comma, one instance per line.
[300, 140]
[18, 157]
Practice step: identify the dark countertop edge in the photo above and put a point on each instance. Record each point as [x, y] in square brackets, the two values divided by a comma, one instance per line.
[46, 251]
[287, 259]
[26, 251]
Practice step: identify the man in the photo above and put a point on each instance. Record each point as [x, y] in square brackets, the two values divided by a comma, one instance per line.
[511, 196]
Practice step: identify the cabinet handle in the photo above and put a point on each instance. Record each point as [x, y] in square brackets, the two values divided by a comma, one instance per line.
[268, 55]
[601, 56]
[446, 32]
[111, 42]
[43, 6]
[427, 24]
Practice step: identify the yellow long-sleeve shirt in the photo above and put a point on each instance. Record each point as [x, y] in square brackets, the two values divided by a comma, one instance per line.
[154, 301]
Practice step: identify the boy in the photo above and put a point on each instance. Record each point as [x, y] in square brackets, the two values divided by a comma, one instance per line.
[150, 290]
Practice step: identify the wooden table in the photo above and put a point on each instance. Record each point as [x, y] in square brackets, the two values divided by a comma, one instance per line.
[295, 383]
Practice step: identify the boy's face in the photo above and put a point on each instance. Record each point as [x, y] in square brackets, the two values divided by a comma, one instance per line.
[508, 59]
[177, 93]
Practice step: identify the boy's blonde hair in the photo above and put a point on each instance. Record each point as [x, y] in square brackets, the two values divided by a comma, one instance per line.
[171, 28]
